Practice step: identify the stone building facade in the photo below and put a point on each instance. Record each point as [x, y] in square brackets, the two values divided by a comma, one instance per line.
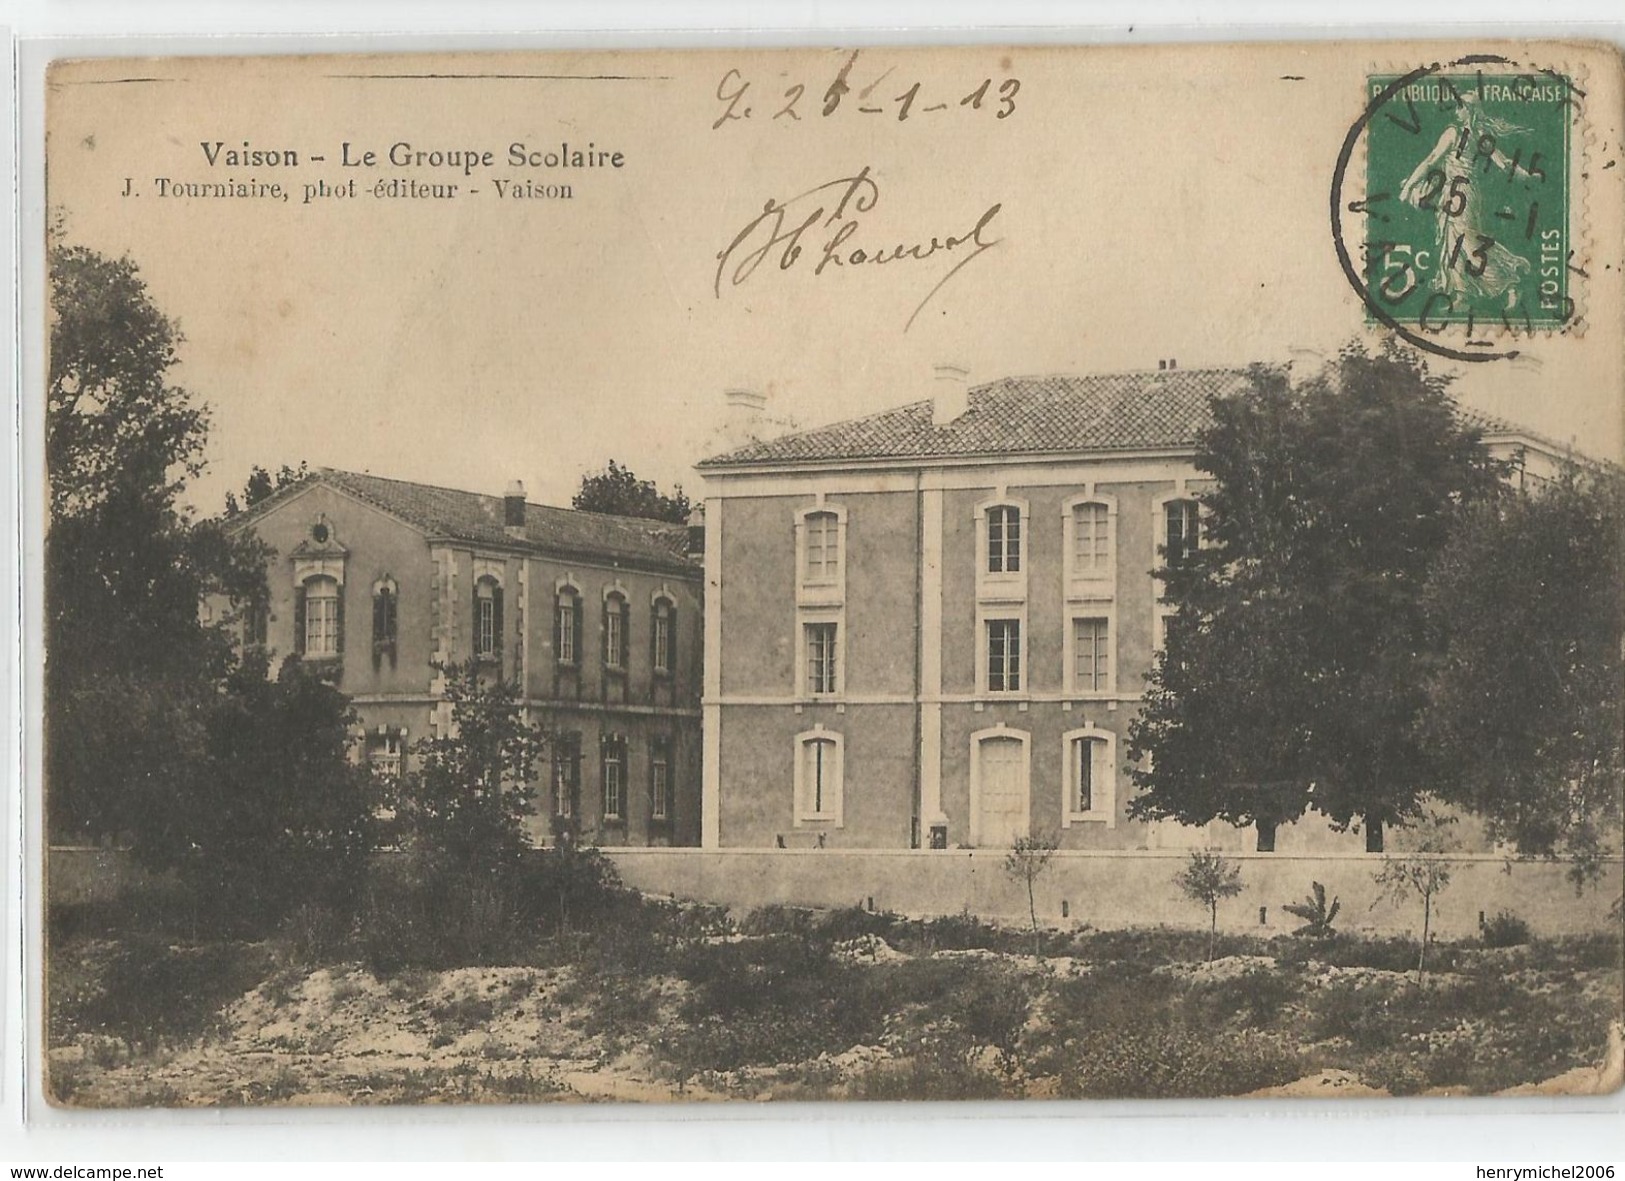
[382, 583]
[930, 627]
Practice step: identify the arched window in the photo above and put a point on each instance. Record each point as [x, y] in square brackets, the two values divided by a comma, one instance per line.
[567, 626]
[617, 625]
[818, 777]
[1004, 539]
[662, 635]
[822, 563]
[1091, 777]
[1091, 539]
[320, 629]
[385, 620]
[487, 619]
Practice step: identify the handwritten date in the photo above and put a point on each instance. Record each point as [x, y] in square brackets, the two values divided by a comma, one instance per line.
[736, 94]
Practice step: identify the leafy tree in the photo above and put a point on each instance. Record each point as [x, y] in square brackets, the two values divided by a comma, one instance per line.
[1422, 873]
[130, 667]
[273, 814]
[262, 485]
[617, 490]
[1524, 694]
[464, 807]
[1293, 666]
[1027, 861]
[1208, 878]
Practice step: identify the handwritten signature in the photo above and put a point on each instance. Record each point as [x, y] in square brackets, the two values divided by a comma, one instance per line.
[831, 215]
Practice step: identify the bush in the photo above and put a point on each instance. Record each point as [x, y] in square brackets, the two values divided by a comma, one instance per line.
[1395, 1072]
[854, 922]
[1504, 929]
[147, 992]
[313, 934]
[766, 1001]
[1174, 1062]
[1257, 998]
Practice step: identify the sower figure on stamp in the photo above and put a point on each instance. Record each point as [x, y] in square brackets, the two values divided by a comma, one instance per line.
[1471, 262]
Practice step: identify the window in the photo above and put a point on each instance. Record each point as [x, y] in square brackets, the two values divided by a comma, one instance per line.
[385, 621]
[822, 547]
[321, 624]
[384, 754]
[1091, 655]
[1091, 793]
[615, 630]
[566, 774]
[567, 626]
[821, 661]
[614, 779]
[1182, 530]
[1083, 773]
[1091, 540]
[660, 783]
[660, 631]
[1003, 655]
[256, 623]
[487, 619]
[1004, 539]
[818, 775]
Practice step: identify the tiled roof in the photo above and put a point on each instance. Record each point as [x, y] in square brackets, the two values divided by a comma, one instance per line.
[472, 517]
[1030, 416]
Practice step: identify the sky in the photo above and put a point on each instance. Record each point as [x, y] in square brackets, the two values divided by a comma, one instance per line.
[1135, 204]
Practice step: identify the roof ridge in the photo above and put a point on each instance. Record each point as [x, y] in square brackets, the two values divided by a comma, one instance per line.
[529, 504]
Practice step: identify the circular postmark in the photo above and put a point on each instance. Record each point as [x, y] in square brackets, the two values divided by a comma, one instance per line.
[1464, 213]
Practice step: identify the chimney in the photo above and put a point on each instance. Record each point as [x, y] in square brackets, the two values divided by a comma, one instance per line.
[513, 509]
[950, 394]
[744, 419]
[696, 530]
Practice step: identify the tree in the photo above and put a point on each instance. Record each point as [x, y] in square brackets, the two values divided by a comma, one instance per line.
[1524, 714]
[1027, 861]
[262, 485]
[1293, 666]
[273, 814]
[130, 667]
[1422, 873]
[1207, 878]
[617, 490]
[464, 808]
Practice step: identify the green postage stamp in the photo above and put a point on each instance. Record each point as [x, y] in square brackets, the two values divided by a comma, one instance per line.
[1467, 199]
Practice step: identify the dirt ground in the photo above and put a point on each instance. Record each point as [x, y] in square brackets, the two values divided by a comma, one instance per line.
[341, 1035]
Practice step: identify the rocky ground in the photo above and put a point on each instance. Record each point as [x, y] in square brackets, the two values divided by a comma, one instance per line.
[341, 1034]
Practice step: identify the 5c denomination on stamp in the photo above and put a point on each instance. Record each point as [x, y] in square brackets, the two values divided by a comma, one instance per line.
[1467, 200]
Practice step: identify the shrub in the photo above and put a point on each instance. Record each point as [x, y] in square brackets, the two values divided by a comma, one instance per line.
[767, 1001]
[147, 992]
[1317, 916]
[854, 922]
[1395, 1072]
[1175, 1061]
[1257, 998]
[1504, 929]
[313, 934]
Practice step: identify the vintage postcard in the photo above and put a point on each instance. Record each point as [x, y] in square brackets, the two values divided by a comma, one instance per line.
[847, 573]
